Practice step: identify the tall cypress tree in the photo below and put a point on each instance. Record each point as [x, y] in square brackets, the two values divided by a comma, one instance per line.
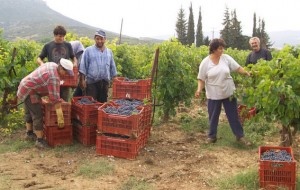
[199, 32]
[265, 39]
[236, 32]
[254, 25]
[225, 33]
[191, 28]
[206, 41]
[181, 27]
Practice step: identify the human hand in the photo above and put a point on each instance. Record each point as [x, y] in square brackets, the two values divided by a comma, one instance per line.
[197, 93]
[82, 84]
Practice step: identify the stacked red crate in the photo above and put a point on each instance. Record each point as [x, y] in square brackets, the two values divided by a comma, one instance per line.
[70, 81]
[131, 125]
[124, 136]
[118, 146]
[85, 118]
[139, 89]
[52, 133]
[146, 114]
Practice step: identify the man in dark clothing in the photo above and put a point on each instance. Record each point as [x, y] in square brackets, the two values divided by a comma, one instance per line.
[54, 51]
[258, 52]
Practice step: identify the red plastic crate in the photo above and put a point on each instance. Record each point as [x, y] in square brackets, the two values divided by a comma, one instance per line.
[50, 117]
[118, 147]
[246, 113]
[275, 174]
[87, 114]
[139, 90]
[118, 124]
[146, 135]
[85, 134]
[70, 81]
[147, 113]
[58, 136]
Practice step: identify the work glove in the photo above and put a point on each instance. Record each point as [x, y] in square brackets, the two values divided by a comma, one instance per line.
[60, 118]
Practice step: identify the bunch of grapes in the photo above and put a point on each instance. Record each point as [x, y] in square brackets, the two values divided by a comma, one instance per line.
[276, 155]
[126, 102]
[126, 110]
[130, 80]
[86, 101]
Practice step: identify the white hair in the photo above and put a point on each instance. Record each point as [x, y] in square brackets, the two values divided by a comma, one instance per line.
[254, 38]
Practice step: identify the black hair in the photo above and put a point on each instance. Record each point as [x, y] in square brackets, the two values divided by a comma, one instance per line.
[215, 44]
[59, 30]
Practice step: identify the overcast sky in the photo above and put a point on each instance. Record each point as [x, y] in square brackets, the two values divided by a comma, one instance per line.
[153, 18]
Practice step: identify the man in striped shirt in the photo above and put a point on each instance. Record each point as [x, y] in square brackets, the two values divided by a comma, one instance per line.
[44, 81]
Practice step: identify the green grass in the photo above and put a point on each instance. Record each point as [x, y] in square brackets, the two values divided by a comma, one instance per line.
[14, 146]
[193, 125]
[74, 148]
[95, 169]
[246, 180]
[134, 183]
[255, 130]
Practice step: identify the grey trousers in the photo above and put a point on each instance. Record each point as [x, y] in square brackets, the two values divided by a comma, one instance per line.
[33, 114]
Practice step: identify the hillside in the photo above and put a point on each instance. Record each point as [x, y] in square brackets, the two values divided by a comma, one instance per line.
[33, 19]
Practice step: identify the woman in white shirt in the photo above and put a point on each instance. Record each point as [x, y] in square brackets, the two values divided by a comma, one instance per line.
[214, 74]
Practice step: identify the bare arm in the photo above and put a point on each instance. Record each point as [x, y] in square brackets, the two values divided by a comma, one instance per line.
[75, 62]
[39, 61]
[201, 84]
[242, 71]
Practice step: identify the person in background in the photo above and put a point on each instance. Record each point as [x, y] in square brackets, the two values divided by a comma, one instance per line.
[44, 81]
[78, 50]
[56, 49]
[257, 52]
[97, 68]
[214, 74]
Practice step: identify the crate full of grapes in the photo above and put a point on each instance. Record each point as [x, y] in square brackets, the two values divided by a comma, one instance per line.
[147, 111]
[277, 168]
[122, 120]
[85, 109]
[131, 89]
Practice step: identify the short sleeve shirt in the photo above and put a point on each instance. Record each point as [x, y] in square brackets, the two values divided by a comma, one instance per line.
[218, 81]
[54, 51]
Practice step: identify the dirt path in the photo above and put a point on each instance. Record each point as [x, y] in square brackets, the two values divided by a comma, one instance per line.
[170, 160]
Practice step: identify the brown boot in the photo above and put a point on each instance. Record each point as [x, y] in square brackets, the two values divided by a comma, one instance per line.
[244, 141]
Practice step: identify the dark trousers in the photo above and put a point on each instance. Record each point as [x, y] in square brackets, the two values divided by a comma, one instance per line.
[33, 114]
[214, 110]
[65, 93]
[98, 90]
[78, 92]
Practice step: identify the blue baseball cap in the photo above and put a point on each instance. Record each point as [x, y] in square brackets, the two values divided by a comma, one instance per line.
[100, 33]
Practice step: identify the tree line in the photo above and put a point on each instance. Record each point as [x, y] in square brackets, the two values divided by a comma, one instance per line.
[231, 32]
